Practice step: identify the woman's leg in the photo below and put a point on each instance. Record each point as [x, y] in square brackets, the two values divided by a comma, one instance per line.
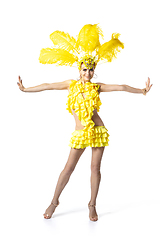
[73, 158]
[97, 154]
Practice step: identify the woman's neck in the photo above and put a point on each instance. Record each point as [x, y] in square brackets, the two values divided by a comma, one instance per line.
[84, 81]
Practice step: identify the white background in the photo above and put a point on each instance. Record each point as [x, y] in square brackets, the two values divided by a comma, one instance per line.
[35, 127]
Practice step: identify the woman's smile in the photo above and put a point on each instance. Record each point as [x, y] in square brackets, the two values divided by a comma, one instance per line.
[85, 73]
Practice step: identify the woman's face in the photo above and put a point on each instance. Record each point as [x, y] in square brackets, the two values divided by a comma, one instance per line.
[85, 73]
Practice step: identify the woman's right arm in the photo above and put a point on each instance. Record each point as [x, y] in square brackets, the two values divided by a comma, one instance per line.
[45, 86]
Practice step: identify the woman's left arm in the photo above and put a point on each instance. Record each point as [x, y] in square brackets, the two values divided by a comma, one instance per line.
[113, 87]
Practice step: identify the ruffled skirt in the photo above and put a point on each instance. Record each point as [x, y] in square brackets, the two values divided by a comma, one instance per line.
[98, 137]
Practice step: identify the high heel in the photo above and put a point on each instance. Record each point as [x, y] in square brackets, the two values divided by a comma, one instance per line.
[93, 218]
[46, 215]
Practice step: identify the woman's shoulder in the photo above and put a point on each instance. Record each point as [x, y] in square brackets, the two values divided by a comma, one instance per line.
[72, 82]
[99, 83]
[100, 86]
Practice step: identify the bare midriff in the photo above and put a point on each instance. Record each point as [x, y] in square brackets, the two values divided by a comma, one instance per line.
[95, 118]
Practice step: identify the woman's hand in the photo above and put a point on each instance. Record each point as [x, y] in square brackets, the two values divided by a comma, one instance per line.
[148, 85]
[21, 87]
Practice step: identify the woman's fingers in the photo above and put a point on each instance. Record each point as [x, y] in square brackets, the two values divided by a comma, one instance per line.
[148, 85]
[20, 85]
[20, 81]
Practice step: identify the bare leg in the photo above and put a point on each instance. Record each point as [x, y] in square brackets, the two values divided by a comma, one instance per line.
[97, 154]
[73, 158]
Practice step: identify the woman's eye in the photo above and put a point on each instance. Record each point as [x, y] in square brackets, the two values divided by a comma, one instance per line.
[91, 69]
[84, 70]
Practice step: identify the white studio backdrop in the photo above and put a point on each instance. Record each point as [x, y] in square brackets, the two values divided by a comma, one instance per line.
[36, 128]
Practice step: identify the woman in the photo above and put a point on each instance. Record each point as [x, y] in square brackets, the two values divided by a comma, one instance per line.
[83, 103]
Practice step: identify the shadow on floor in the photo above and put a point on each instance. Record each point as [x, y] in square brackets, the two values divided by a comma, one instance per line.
[69, 212]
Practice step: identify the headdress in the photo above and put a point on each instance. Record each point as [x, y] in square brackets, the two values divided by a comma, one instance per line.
[87, 48]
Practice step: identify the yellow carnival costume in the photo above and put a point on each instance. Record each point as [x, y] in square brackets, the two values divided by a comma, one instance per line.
[87, 50]
[93, 136]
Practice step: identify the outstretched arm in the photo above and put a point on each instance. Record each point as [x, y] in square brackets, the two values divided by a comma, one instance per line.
[113, 87]
[45, 86]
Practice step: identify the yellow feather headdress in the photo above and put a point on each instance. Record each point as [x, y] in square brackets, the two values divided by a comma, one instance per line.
[87, 49]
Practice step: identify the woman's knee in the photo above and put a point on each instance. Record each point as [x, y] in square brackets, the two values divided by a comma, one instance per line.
[95, 168]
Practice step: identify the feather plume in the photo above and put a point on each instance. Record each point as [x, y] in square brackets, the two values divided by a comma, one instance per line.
[88, 38]
[109, 50]
[63, 40]
[59, 56]
[67, 51]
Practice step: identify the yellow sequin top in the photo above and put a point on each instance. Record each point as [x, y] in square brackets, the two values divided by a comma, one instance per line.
[85, 104]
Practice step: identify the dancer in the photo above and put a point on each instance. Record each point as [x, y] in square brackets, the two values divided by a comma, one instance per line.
[83, 101]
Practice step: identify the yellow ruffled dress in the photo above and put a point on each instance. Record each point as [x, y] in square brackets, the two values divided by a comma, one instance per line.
[90, 135]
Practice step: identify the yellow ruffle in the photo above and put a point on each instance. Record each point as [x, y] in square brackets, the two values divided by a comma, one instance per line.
[98, 137]
[84, 107]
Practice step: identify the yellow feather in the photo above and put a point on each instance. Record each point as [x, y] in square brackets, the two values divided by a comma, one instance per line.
[63, 40]
[109, 50]
[88, 38]
[58, 56]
